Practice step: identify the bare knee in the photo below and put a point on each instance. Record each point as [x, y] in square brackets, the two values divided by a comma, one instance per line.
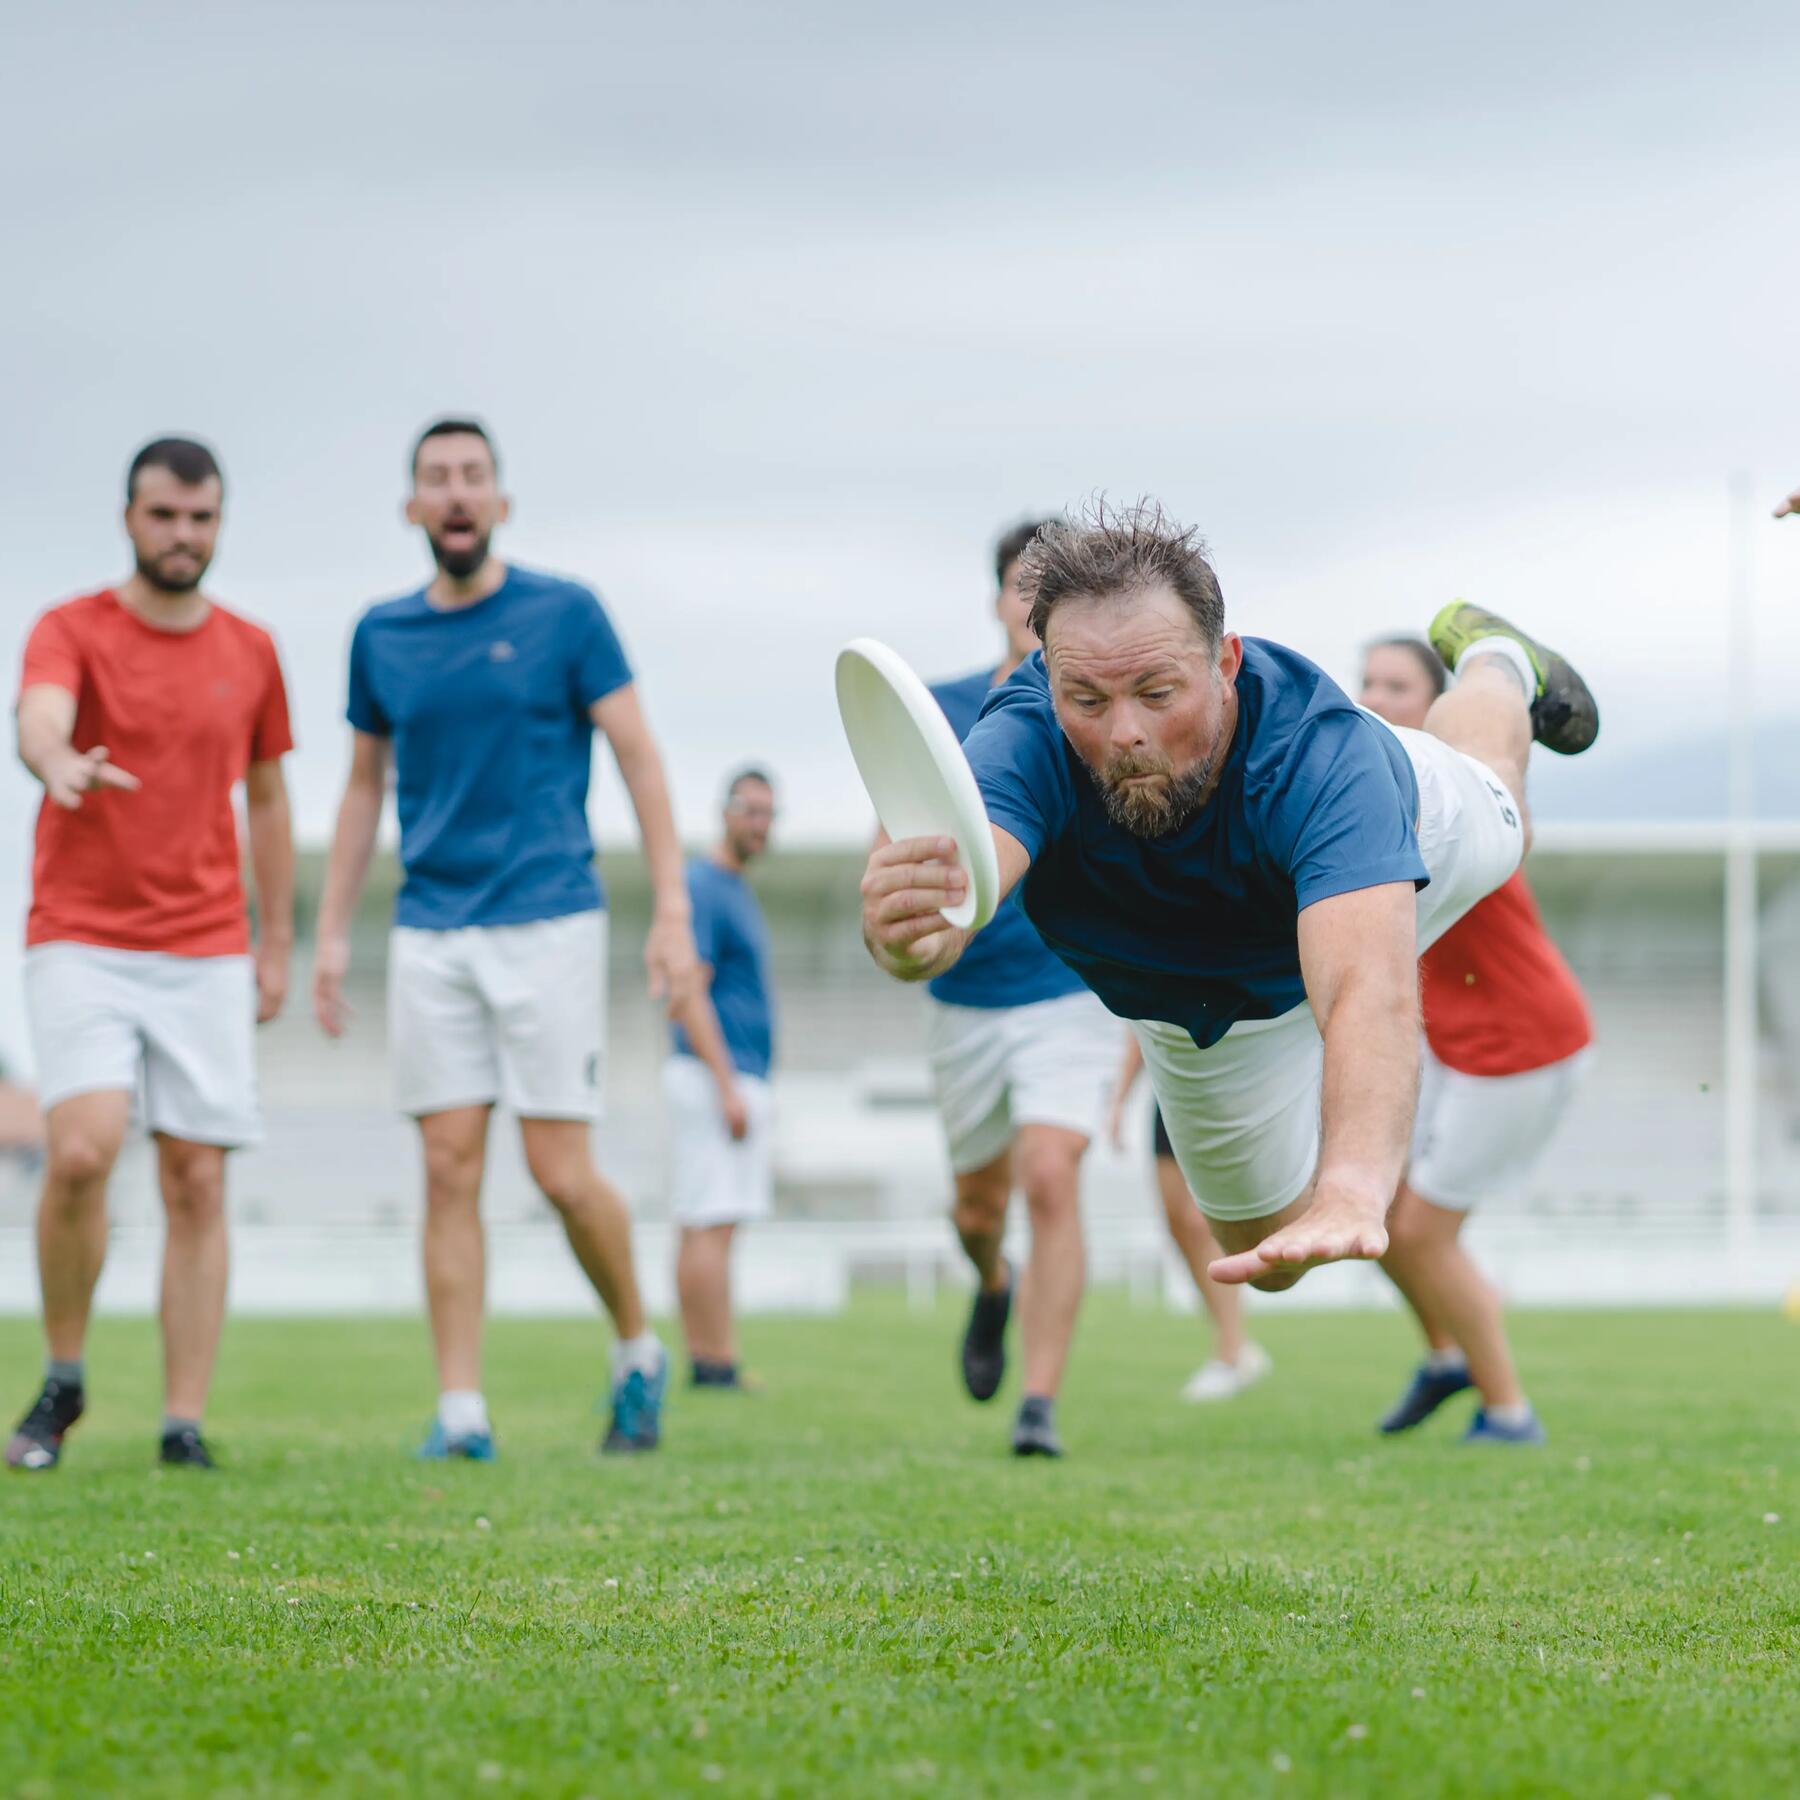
[1418, 1231]
[1049, 1163]
[1277, 1281]
[452, 1173]
[979, 1214]
[562, 1179]
[79, 1159]
[193, 1183]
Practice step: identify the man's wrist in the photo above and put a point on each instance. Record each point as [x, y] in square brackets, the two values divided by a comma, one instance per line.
[890, 962]
[1358, 1186]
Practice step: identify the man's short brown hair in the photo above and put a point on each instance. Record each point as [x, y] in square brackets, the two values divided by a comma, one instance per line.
[1112, 550]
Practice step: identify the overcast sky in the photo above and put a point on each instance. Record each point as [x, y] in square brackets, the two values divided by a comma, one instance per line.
[779, 313]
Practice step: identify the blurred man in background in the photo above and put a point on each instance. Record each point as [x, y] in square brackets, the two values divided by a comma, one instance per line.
[1022, 1060]
[1506, 1044]
[140, 709]
[1236, 1363]
[483, 689]
[716, 1082]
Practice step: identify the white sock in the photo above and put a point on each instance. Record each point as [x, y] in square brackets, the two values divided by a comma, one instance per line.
[1445, 1362]
[462, 1412]
[1510, 1415]
[1511, 652]
[642, 1354]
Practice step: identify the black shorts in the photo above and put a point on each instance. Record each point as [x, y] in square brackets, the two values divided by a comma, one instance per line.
[1160, 1135]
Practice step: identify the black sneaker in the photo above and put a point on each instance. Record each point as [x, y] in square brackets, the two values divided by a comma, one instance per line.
[984, 1342]
[1427, 1391]
[37, 1443]
[1564, 715]
[1034, 1431]
[186, 1449]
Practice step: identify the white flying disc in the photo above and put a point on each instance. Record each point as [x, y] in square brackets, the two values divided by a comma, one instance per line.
[915, 770]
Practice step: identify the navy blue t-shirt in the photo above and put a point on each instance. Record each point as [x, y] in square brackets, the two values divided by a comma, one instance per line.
[1197, 928]
[1006, 963]
[731, 934]
[487, 707]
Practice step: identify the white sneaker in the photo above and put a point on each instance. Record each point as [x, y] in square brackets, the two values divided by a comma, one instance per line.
[1218, 1380]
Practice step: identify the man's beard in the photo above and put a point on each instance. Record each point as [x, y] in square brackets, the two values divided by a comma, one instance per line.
[152, 571]
[1152, 812]
[459, 565]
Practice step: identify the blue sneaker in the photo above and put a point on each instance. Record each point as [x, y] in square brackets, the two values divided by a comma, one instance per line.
[1483, 1430]
[636, 1412]
[478, 1446]
[1429, 1390]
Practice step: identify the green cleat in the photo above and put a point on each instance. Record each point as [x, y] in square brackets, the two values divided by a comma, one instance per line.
[1564, 716]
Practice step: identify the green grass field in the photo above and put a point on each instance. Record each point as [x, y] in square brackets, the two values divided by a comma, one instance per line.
[844, 1586]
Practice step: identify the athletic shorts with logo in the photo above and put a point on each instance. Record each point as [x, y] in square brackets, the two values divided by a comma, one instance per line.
[514, 1014]
[178, 1033]
[1243, 1116]
[1478, 1137]
[995, 1068]
[714, 1178]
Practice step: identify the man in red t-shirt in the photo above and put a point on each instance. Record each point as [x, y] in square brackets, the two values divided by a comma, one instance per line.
[1506, 1041]
[140, 709]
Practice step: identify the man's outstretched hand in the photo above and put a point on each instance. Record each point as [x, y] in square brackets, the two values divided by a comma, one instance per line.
[1337, 1227]
[71, 773]
[1790, 505]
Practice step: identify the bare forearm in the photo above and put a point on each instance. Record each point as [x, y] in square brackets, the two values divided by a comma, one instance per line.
[697, 1016]
[1371, 1087]
[270, 826]
[347, 866]
[38, 741]
[46, 722]
[641, 769]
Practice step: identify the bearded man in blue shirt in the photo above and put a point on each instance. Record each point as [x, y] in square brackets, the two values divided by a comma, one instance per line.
[482, 691]
[1243, 864]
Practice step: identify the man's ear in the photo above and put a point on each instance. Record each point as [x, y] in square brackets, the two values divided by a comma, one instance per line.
[410, 511]
[1231, 656]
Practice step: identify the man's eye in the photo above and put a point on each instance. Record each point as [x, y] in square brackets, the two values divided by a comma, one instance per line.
[1157, 695]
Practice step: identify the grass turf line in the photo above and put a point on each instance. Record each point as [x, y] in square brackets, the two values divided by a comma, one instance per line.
[845, 1586]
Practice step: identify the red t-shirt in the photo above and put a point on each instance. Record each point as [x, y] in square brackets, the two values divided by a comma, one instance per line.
[186, 712]
[1498, 998]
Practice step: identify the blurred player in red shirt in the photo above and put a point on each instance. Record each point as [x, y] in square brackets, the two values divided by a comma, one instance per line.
[1506, 1041]
[140, 709]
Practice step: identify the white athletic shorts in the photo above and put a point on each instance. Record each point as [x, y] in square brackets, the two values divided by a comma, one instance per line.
[1478, 1137]
[510, 1013]
[995, 1068]
[714, 1178]
[1244, 1116]
[178, 1033]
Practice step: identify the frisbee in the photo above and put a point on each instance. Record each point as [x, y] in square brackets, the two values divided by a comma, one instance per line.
[914, 769]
